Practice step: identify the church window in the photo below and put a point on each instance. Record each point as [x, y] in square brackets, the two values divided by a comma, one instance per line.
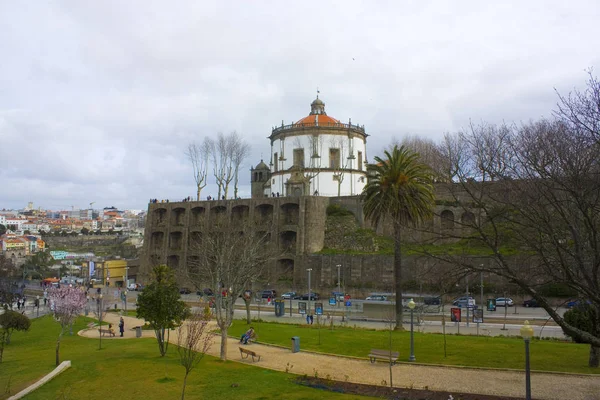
[275, 162]
[299, 158]
[360, 163]
[334, 158]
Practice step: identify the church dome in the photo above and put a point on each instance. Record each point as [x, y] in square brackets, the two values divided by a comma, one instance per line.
[262, 165]
[317, 116]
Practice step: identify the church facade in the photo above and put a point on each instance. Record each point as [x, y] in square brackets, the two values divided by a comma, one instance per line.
[315, 156]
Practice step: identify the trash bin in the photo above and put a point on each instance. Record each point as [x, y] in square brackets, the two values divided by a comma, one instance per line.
[279, 308]
[138, 331]
[295, 344]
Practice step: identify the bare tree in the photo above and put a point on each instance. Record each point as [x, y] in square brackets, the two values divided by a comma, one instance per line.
[193, 341]
[581, 109]
[339, 165]
[228, 152]
[430, 153]
[198, 156]
[533, 190]
[241, 151]
[228, 258]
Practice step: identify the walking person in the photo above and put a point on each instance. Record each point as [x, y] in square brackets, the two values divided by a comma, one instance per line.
[122, 326]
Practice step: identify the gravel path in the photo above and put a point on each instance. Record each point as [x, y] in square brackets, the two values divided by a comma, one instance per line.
[481, 381]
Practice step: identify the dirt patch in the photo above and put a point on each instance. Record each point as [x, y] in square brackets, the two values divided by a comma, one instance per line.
[391, 393]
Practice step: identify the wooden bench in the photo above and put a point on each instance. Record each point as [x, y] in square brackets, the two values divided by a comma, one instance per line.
[106, 331]
[383, 354]
[245, 353]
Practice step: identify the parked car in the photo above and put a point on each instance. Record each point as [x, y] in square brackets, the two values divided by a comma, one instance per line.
[134, 286]
[288, 295]
[504, 302]
[339, 296]
[269, 293]
[377, 297]
[432, 301]
[575, 303]
[184, 290]
[313, 296]
[464, 302]
[530, 303]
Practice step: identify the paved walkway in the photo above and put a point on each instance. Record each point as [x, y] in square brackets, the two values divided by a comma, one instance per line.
[450, 379]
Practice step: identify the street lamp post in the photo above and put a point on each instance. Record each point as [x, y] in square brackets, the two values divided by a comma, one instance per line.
[527, 334]
[411, 305]
[99, 304]
[338, 291]
[309, 293]
[126, 286]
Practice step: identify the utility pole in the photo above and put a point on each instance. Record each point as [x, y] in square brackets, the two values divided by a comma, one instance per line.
[309, 294]
[481, 293]
[468, 300]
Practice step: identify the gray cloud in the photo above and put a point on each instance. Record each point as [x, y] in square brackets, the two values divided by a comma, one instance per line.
[99, 99]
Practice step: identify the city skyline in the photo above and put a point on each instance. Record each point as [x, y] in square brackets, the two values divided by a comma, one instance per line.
[98, 101]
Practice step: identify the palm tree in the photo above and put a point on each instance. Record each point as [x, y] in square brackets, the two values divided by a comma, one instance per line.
[400, 187]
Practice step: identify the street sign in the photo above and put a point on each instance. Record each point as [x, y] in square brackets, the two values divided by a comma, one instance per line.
[332, 301]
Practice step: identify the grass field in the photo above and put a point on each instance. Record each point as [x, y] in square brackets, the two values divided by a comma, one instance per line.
[133, 369]
[473, 351]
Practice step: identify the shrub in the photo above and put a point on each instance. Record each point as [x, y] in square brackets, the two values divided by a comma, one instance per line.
[557, 290]
[335, 210]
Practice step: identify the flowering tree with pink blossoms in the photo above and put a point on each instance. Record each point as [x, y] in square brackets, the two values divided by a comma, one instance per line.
[67, 304]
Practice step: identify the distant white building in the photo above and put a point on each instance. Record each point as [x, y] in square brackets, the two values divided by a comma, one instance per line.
[317, 155]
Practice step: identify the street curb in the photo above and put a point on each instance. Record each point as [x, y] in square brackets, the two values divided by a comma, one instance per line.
[62, 367]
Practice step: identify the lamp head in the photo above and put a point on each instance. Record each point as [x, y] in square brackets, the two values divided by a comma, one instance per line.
[526, 331]
[411, 304]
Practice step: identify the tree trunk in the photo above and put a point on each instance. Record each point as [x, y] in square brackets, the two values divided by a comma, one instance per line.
[184, 383]
[594, 356]
[248, 320]
[224, 344]
[198, 196]
[398, 276]
[58, 348]
[160, 338]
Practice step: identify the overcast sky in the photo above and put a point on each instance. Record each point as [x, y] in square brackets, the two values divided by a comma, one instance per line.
[98, 99]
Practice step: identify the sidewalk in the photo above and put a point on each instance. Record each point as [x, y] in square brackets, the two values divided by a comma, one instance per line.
[451, 379]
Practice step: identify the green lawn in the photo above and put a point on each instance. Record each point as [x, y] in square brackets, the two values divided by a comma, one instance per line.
[491, 352]
[133, 369]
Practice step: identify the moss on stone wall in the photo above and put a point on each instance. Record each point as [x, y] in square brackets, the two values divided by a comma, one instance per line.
[343, 234]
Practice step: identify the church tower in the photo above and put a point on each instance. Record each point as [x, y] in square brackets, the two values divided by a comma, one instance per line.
[259, 179]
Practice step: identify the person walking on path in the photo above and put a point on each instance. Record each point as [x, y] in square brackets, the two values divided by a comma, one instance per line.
[122, 326]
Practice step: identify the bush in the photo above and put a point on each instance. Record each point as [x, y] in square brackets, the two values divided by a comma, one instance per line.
[557, 290]
[335, 210]
[584, 317]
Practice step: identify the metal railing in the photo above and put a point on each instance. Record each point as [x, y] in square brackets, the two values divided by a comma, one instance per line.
[328, 125]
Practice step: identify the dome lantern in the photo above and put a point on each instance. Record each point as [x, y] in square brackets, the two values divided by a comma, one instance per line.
[317, 107]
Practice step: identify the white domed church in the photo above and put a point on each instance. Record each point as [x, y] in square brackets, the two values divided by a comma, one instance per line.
[316, 156]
